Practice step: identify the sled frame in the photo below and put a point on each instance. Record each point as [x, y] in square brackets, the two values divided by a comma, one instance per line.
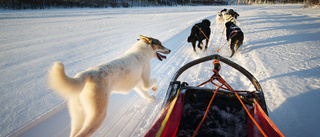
[175, 85]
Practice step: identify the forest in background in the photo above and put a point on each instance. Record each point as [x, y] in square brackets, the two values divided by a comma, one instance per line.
[48, 4]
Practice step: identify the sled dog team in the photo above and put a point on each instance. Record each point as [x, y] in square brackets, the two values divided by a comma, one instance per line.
[88, 91]
[234, 35]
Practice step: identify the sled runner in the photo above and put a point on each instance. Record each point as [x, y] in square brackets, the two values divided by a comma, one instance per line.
[203, 112]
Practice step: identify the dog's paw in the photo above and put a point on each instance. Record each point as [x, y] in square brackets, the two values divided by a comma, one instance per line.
[155, 88]
[151, 98]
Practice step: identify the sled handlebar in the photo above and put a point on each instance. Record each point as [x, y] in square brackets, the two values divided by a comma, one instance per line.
[253, 80]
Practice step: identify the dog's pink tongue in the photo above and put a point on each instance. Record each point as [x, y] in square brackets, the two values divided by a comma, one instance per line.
[163, 57]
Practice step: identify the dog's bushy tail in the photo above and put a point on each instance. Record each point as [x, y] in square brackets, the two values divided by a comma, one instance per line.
[65, 86]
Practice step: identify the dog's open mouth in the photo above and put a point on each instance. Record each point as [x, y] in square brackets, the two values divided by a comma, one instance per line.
[160, 57]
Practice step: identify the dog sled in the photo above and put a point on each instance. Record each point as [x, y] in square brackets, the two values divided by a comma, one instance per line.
[204, 112]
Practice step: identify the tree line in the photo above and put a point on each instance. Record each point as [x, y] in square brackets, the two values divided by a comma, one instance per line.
[310, 2]
[47, 4]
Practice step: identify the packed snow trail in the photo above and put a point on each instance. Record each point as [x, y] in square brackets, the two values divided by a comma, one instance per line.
[281, 49]
[284, 47]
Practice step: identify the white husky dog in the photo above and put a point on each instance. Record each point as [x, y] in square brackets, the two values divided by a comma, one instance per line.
[88, 91]
[219, 17]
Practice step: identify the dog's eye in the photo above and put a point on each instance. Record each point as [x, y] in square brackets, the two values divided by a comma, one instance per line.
[156, 43]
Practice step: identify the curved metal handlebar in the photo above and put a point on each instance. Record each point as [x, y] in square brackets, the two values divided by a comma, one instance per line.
[253, 80]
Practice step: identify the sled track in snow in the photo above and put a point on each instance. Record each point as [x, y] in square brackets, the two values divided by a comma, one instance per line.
[281, 49]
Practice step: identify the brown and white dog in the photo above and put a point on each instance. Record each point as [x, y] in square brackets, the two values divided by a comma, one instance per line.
[88, 91]
[233, 13]
[225, 15]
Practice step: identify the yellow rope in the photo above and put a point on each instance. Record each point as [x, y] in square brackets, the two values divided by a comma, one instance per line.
[164, 122]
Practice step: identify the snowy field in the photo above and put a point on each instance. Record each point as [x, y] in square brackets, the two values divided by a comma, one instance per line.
[281, 49]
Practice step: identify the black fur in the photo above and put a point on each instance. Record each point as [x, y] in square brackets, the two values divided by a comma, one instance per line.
[197, 35]
[238, 36]
[233, 13]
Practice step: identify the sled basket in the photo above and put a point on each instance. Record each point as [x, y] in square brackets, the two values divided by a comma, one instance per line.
[184, 108]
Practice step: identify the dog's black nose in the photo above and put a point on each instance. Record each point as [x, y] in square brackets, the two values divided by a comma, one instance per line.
[169, 50]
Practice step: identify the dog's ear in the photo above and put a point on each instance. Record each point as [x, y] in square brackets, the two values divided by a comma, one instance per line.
[146, 39]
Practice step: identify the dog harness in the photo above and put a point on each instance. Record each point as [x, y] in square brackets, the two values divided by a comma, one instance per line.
[200, 28]
[234, 29]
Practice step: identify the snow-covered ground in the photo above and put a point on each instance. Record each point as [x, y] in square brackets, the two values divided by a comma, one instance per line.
[281, 49]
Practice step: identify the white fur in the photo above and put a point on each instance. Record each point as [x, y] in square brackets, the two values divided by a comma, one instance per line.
[228, 18]
[219, 18]
[88, 92]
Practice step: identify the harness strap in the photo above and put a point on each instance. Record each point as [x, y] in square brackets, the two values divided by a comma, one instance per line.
[228, 39]
[207, 38]
[210, 41]
[198, 27]
[244, 106]
[205, 115]
[228, 87]
[233, 32]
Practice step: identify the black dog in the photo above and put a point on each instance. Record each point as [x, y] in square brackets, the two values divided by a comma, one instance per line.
[236, 35]
[197, 34]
